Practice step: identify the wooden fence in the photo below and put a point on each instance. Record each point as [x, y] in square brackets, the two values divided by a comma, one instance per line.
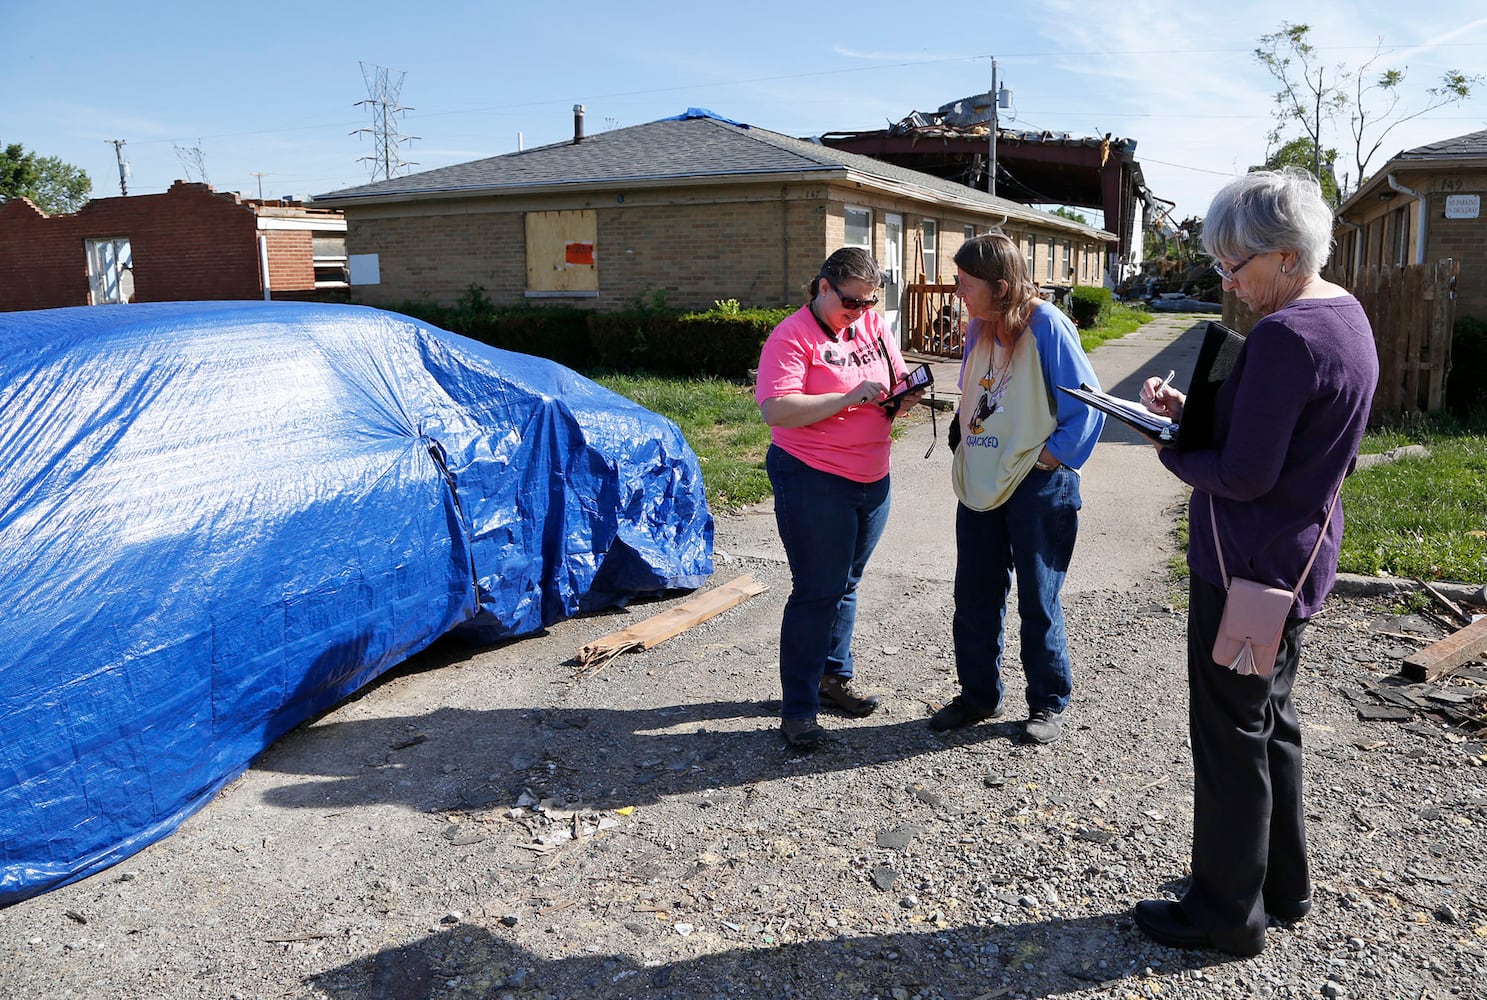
[1412, 311]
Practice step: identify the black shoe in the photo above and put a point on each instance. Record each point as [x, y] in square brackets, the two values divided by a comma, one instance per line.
[1165, 922]
[959, 714]
[839, 691]
[802, 734]
[1288, 910]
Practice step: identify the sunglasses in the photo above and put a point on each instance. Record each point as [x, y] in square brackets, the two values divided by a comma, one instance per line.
[848, 301]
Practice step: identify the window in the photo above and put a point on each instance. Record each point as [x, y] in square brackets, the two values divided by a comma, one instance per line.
[329, 257]
[931, 230]
[560, 254]
[1068, 259]
[110, 270]
[1400, 223]
[858, 225]
[1032, 255]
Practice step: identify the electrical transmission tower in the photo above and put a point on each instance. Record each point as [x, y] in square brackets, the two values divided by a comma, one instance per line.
[382, 99]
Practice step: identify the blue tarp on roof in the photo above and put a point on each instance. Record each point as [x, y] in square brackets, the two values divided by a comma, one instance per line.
[219, 519]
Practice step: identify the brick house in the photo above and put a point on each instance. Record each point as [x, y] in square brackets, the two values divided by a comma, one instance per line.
[695, 207]
[1422, 206]
[188, 243]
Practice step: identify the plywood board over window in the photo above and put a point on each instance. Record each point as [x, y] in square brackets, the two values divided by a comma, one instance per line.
[561, 255]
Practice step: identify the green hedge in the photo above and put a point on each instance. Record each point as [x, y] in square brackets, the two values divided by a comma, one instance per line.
[723, 342]
[1088, 304]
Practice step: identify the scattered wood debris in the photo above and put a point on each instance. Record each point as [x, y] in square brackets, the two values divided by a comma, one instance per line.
[659, 628]
[1440, 658]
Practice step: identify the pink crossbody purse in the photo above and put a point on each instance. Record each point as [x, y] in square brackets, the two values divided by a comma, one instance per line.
[1255, 615]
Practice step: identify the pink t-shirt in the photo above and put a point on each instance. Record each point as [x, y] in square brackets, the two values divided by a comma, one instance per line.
[799, 357]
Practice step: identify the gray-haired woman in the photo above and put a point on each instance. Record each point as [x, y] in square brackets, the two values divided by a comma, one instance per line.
[1286, 429]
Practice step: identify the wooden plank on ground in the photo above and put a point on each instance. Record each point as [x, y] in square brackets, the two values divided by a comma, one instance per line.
[1439, 658]
[659, 628]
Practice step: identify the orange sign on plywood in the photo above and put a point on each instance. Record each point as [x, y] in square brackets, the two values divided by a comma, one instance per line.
[579, 253]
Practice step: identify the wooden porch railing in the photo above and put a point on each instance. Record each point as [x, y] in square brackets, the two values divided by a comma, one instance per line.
[932, 320]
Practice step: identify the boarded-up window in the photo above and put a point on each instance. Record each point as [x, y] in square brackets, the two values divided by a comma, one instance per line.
[561, 259]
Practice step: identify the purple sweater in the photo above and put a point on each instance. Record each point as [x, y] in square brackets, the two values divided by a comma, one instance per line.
[1287, 425]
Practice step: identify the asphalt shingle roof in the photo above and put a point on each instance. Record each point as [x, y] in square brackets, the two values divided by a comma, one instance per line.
[693, 146]
[1462, 146]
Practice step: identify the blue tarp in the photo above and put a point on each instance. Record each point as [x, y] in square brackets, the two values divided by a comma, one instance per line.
[219, 519]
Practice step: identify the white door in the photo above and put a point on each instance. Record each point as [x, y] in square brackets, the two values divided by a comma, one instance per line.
[893, 267]
[110, 270]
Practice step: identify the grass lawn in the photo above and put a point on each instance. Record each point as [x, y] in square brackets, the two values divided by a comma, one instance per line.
[1424, 517]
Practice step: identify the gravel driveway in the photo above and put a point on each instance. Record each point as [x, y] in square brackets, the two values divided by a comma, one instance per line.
[492, 824]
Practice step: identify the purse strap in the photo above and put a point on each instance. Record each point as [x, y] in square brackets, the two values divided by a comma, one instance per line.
[1213, 520]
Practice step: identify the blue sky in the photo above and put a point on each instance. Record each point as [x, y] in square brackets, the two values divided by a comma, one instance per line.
[271, 88]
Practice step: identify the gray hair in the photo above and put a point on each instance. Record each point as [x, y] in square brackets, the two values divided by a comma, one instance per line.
[1269, 210]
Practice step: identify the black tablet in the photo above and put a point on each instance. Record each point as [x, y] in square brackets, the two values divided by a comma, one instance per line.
[917, 378]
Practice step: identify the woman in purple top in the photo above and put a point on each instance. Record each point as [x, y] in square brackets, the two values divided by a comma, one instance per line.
[1286, 429]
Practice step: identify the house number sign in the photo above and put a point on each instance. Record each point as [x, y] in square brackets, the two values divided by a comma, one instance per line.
[1463, 206]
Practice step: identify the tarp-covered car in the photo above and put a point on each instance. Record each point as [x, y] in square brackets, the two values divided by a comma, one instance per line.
[218, 519]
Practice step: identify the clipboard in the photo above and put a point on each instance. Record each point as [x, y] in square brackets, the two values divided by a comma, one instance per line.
[1151, 426]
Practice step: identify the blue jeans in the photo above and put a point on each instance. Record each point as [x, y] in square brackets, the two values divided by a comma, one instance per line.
[1032, 534]
[829, 526]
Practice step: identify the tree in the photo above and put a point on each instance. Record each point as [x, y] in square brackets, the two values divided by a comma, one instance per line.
[1453, 88]
[54, 186]
[1311, 94]
[1314, 96]
[1302, 152]
[1070, 214]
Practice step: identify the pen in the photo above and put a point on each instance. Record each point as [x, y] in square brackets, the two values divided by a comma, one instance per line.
[1164, 383]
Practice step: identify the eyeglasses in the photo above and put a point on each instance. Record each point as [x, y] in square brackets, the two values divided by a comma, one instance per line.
[849, 302]
[1226, 273]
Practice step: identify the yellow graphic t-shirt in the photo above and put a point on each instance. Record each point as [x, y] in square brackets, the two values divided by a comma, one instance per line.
[1006, 416]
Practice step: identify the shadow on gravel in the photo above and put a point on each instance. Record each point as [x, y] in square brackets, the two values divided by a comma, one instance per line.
[1040, 958]
[603, 758]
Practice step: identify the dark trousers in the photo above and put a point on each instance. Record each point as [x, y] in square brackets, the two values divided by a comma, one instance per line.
[1249, 826]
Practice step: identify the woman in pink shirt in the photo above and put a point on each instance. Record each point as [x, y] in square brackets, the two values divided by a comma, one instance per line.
[822, 375]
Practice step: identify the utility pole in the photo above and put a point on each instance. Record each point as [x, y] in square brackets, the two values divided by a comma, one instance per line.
[123, 167]
[260, 175]
[991, 173]
[999, 98]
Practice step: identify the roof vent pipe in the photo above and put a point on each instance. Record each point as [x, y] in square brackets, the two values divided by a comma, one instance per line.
[577, 124]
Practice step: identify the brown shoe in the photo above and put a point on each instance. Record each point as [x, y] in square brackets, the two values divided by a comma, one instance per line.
[803, 734]
[839, 691]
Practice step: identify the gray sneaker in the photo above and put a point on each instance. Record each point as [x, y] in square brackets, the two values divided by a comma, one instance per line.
[1046, 725]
